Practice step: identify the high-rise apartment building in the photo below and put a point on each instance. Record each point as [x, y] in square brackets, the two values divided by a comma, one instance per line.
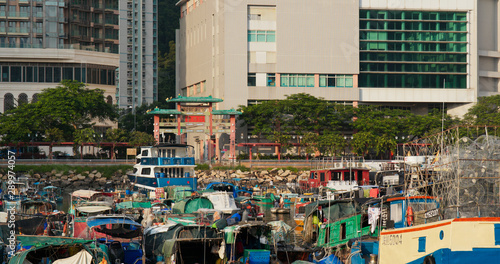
[138, 73]
[44, 42]
[408, 54]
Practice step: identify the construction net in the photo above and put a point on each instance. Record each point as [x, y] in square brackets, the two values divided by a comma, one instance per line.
[461, 167]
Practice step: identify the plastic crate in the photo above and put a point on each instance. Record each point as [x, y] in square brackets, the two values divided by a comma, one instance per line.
[257, 256]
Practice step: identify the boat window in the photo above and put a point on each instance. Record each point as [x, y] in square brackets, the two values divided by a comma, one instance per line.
[173, 153]
[145, 153]
[322, 176]
[312, 175]
[146, 171]
[397, 212]
[422, 206]
[169, 153]
[336, 176]
[342, 231]
[327, 234]
[182, 172]
[135, 170]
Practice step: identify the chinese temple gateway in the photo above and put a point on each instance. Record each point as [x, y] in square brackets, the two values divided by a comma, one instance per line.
[194, 120]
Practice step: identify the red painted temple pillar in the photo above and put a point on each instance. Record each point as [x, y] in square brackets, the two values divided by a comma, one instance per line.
[156, 129]
[232, 138]
[210, 128]
[250, 152]
[179, 140]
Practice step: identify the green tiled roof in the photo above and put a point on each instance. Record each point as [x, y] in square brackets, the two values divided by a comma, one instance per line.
[182, 99]
[158, 111]
[226, 112]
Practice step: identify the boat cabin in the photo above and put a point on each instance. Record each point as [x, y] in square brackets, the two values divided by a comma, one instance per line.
[165, 161]
[319, 178]
[166, 154]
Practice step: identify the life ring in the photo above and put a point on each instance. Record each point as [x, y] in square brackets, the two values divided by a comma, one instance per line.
[320, 254]
[409, 216]
[429, 260]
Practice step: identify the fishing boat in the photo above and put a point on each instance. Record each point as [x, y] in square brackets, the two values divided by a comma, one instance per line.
[45, 249]
[183, 241]
[51, 194]
[164, 165]
[300, 209]
[222, 201]
[85, 203]
[351, 175]
[463, 175]
[118, 236]
[228, 187]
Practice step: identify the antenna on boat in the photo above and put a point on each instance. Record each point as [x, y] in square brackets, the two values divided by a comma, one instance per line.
[442, 120]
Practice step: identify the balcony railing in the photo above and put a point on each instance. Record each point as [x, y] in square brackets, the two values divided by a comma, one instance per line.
[167, 161]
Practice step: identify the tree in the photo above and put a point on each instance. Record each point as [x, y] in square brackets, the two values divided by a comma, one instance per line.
[485, 112]
[75, 105]
[68, 107]
[168, 21]
[363, 142]
[306, 113]
[298, 114]
[85, 135]
[138, 138]
[310, 140]
[114, 136]
[166, 74]
[331, 143]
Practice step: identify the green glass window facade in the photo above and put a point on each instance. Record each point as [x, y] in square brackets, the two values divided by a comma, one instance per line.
[413, 49]
[261, 36]
[297, 80]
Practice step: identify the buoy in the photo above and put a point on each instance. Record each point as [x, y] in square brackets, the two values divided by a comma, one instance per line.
[409, 216]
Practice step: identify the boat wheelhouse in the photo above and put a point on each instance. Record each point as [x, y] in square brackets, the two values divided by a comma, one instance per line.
[164, 165]
[351, 175]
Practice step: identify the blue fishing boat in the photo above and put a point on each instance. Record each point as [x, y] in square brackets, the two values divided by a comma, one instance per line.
[164, 165]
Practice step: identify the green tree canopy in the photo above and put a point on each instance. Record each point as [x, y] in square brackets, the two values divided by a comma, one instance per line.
[298, 114]
[485, 112]
[68, 107]
[138, 138]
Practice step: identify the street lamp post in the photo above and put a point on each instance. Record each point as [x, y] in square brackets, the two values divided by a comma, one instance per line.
[32, 136]
[134, 112]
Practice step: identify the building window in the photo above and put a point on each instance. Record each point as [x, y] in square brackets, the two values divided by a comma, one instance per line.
[8, 102]
[297, 80]
[261, 36]
[23, 99]
[34, 99]
[15, 74]
[332, 80]
[271, 79]
[252, 79]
